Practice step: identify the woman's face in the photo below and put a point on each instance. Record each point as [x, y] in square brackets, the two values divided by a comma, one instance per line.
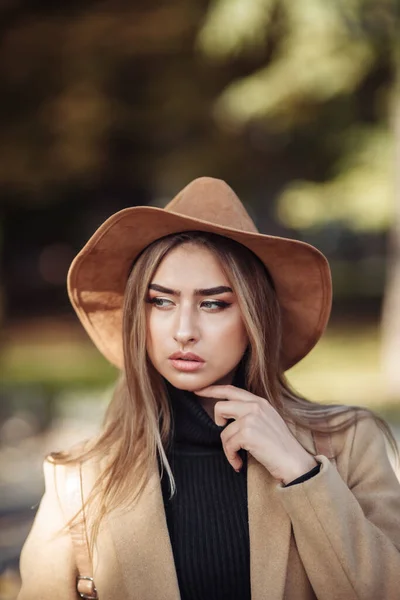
[191, 308]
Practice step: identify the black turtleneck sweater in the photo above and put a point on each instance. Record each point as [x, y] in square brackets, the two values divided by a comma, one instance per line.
[207, 517]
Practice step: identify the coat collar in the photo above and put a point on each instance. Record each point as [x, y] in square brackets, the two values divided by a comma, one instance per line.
[142, 553]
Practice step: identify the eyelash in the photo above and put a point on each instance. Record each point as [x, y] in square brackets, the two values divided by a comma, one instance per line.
[219, 303]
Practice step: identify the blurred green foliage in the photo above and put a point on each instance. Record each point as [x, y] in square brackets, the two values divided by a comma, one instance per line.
[360, 194]
[157, 94]
[320, 51]
[56, 366]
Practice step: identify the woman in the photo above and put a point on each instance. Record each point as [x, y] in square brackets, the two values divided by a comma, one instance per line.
[208, 479]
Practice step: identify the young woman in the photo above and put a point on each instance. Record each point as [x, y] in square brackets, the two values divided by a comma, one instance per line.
[211, 478]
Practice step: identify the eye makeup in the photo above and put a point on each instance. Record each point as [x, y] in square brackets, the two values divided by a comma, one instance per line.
[219, 304]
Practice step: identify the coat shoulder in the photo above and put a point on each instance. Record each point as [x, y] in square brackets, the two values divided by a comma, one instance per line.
[347, 434]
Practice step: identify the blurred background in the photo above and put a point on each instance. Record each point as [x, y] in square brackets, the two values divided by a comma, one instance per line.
[110, 104]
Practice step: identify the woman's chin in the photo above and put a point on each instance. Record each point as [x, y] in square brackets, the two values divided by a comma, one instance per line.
[193, 382]
[190, 382]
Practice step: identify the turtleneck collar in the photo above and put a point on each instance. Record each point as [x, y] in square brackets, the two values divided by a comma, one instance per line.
[191, 424]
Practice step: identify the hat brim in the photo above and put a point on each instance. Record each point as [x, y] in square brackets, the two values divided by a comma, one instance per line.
[97, 277]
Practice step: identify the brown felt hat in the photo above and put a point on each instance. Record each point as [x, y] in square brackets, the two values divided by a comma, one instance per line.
[98, 274]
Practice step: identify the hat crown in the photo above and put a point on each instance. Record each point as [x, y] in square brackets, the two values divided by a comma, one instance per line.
[212, 200]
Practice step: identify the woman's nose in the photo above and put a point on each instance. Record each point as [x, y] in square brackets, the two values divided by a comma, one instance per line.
[186, 329]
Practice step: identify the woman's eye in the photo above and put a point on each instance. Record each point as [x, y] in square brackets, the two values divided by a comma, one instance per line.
[209, 304]
[215, 304]
[160, 302]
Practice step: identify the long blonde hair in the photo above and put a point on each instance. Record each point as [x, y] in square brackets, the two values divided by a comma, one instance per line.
[137, 423]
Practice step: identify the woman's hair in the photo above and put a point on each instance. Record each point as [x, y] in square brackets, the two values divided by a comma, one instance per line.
[137, 423]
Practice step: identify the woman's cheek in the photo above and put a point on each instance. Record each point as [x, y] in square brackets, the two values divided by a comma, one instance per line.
[235, 329]
[229, 338]
[158, 324]
[155, 334]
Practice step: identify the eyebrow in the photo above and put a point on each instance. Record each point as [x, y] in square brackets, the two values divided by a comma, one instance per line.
[214, 291]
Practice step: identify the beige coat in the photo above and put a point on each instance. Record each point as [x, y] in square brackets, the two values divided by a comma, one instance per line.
[333, 537]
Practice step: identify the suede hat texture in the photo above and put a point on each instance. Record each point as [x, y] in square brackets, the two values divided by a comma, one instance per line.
[97, 276]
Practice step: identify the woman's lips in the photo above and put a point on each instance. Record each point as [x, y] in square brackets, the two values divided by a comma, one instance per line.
[186, 365]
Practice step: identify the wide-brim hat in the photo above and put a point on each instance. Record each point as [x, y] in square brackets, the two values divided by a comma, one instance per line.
[97, 276]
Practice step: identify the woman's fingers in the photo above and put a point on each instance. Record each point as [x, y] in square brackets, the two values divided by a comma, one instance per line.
[234, 409]
[258, 428]
[226, 392]
[231, 444]
[246, 409]
[236, 402]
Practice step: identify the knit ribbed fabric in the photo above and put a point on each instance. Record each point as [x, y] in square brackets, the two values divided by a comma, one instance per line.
[207, 517]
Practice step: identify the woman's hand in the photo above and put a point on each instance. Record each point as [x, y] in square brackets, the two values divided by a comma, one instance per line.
[259, 429]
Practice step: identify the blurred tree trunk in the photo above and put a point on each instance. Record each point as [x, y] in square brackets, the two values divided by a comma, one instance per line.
[391, 304]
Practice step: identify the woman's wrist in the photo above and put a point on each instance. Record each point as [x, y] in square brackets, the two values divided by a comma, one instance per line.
[311, 473]
[299, 469]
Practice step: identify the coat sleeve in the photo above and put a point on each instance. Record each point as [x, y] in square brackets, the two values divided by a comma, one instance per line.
[346, 521]
[47, 565]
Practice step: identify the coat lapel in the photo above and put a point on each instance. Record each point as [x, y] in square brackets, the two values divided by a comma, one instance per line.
[143, 549]
[270, 532]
